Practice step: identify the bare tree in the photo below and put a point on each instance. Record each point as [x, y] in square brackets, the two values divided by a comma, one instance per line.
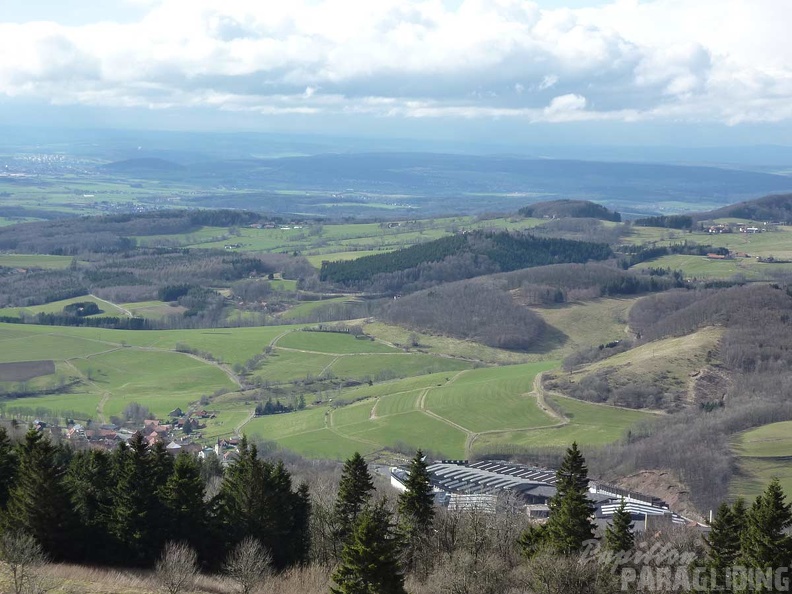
[248, 564]
[23, 558]
[177, 567]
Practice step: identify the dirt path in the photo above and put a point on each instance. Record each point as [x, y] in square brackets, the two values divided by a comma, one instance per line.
[238, 428]
[126, 312]
[539, 391]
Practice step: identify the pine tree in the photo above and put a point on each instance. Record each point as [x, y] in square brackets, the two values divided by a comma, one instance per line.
[618, 536]
[765, 544]
[354, 491]
[302, 518]
[416, 503]
[88, 482]
[8, 467]
[38, 503]
[183, 496]
[416, 515]
[570, 523]
[256, 499]
[370, 559]
[135, 504]
[723, 540]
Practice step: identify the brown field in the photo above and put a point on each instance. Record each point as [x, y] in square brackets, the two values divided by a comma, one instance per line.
[22, 371]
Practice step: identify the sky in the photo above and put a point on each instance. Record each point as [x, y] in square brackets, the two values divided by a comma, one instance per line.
[687, 72]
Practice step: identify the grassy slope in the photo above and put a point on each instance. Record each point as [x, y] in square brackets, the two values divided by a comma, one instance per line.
[107, 309]
[764, 453]
[666, 362]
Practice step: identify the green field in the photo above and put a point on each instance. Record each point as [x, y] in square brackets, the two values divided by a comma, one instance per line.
[154, 310]
[332, 342]
[307, 307]
[589, 424]
[170, 379]
[488, 399]
[450, 415]
[763, 453]
[107, 309]
[229, 345]
[35, 261]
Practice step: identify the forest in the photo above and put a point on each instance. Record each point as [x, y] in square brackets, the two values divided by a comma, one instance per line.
[485, 252]
[581, 209]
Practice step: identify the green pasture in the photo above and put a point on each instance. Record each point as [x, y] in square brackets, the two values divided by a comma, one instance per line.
[395, 365]
[170, 379]
[490, 399]
[585, 323]
[388, 388]
[352, 414]
[444, 345]
[317, 259]
[272, 427]
[283, 366]
[414, 429]
[324, 443]
[702, 267]
[395, 404]
[332, 343]
[307, 307]
[46, 345]
[230, 345]
[154, 310]
[589, 425]
[80, 405]
[34, 261]
[107, 309]
[763, 453]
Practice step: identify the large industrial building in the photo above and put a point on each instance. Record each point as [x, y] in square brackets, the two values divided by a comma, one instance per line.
[485, 485]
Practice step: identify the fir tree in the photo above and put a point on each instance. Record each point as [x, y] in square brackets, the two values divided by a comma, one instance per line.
[256, 499]
[618, 536]
[370, 559]
[302, 517]
[723, 540]
[354, 491]
[38, 504]
[569, 525]
[765, 543]
[8, 466]
[135, 504]
[416, 503]
[183, 497]
[416, 514]
[88, 482]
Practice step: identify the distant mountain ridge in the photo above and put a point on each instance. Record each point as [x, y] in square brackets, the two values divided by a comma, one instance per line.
[776, 207]
[143, 164]
[565, 208]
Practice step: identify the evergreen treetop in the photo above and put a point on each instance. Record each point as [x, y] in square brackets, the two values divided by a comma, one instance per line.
[618, 536]
[354, 491]
[416, 503]
[370, 558]
[765, 543]
[570, 523]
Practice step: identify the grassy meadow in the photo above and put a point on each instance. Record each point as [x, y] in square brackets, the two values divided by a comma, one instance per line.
[763, 453]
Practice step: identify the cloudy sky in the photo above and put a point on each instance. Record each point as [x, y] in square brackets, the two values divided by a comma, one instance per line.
[632, 71]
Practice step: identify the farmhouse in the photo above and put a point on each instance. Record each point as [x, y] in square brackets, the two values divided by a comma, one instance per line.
[485, 485]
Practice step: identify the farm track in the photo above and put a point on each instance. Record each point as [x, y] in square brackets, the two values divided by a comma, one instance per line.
[126, 312]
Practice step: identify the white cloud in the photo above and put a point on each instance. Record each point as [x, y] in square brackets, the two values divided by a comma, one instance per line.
[709, 60]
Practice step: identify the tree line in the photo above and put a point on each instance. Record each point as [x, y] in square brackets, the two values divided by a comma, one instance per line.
[120, 508]
[357, 541]
[488, 252]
